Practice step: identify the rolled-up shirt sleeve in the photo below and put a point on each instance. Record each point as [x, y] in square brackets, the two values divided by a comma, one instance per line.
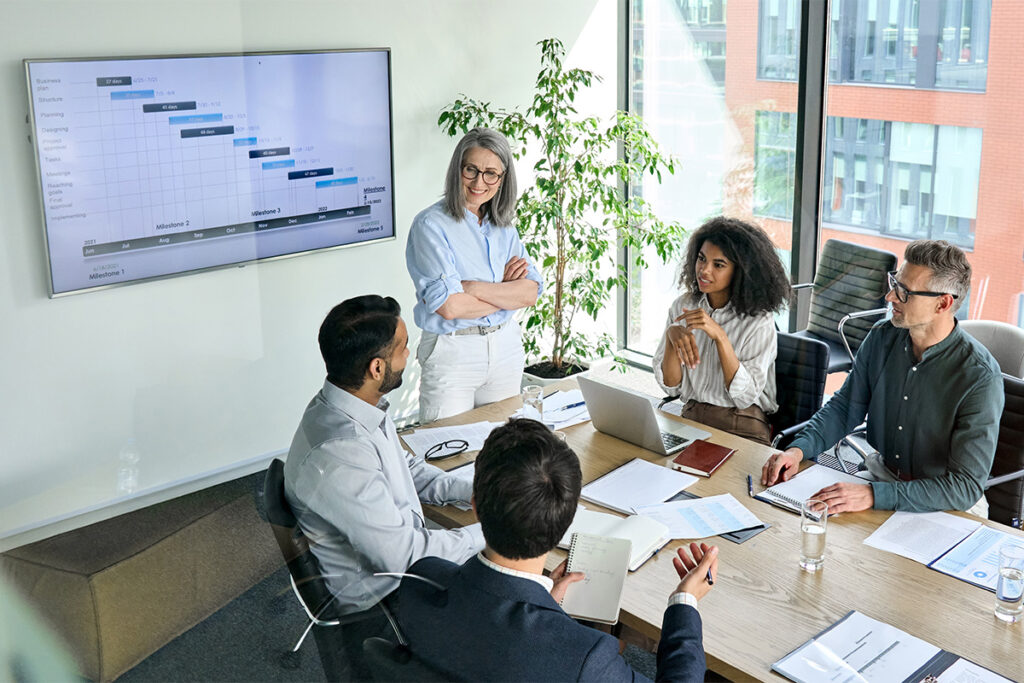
[431, 263]
[531, 270]
[659, 356]
[353, 495]
[435, 486]
[756, 355]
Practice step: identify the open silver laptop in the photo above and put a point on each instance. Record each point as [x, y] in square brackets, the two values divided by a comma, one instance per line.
[631, 417]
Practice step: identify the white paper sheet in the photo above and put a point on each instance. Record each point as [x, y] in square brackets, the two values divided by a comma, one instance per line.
[636, 483]
[701, 517]
[963, 671]
[859, 649]
[556, 413]
[421, 440]
[976, 559]
[921, 536]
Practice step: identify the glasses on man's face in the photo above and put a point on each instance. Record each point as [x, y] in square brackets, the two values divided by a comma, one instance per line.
[903, 294]
[446, 449]
[470, 172]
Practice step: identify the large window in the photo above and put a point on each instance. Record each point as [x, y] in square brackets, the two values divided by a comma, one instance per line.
[695, 99]
[900, 159]
[914, 43]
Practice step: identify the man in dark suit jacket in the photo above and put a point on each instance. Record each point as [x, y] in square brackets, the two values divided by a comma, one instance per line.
[497, 617]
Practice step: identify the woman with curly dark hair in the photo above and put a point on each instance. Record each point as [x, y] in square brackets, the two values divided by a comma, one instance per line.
[718, 351]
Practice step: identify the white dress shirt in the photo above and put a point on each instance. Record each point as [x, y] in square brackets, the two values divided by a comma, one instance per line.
[356, 494]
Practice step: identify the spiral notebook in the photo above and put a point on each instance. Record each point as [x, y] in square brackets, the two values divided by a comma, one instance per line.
[604, 562]
[790, 494]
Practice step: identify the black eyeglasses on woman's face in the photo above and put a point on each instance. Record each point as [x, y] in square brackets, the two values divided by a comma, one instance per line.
[903, 294]
[470, 172]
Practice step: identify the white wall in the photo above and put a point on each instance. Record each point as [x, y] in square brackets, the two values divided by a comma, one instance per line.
[213, 369]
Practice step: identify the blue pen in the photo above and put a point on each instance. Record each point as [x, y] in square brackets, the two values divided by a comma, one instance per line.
[569, 407]
[750, 486]
[711, 581]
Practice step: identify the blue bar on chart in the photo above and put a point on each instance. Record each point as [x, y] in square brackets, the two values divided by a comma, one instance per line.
[167, 106]
[205, 132]
[131, 94]
[310, 173]
[283, 163]
[244, 142]
[337, 181]
[108, 81]
[269, 152]
[195, 118]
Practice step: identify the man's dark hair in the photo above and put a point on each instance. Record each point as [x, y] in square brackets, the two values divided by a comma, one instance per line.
[526, 487]
[354, 333]
[759, 282]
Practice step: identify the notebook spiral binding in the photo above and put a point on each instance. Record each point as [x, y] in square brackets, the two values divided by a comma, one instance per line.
[570, 559]
[786, 499]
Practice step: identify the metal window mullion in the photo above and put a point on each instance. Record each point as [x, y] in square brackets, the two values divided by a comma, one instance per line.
[812, 68]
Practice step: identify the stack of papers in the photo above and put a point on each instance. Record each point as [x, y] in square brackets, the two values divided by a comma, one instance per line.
[921, 536]
[421, 441]
[563, 409]
[701, 517]
[636, 483]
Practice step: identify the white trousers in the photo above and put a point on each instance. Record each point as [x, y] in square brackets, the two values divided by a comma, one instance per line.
[460, 373]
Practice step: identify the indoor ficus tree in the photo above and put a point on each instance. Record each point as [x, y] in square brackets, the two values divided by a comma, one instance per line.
[578, 212]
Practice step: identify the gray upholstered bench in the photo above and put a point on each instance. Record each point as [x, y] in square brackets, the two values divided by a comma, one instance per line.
[120, 589]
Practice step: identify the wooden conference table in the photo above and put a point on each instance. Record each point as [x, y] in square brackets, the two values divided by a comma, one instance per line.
[763, 605]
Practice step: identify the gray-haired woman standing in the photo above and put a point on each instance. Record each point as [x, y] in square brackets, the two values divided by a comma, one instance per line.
[471, 274]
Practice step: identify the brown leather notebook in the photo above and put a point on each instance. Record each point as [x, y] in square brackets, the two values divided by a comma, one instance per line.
[701, 458]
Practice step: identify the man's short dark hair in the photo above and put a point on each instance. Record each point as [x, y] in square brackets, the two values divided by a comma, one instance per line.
[526, 487]
[354, 333]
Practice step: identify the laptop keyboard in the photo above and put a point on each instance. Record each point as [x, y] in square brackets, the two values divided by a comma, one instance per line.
[672, 440]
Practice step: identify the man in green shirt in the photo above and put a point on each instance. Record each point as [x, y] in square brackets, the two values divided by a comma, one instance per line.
[932, 394]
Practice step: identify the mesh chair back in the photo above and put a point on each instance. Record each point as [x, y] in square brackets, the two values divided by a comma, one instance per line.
[850, 278]
[1006, 501]
[801, 367]
[302, 564]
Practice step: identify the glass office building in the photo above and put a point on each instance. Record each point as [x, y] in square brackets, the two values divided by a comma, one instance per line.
[921, 134]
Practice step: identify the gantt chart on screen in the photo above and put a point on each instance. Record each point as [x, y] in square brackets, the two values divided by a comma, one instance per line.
[150, 167]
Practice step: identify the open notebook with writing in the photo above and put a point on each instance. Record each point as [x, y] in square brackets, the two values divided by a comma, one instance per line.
[790, 494]
[646, 535]
[603, 561]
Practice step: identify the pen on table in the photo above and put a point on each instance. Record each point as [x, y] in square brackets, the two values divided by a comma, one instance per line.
[750, 486]
[569, 407]
[711, 581]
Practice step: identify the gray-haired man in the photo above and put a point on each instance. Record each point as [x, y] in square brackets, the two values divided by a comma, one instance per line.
[932, 395]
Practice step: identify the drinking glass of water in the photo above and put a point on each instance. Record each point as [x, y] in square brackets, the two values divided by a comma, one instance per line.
[1011, 582]
[813, 520]
[533, 402]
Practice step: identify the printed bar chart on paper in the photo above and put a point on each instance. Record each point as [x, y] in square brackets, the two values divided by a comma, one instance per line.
[219, 159]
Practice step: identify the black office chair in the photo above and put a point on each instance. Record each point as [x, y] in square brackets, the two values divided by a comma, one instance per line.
[801, 366]
[1005, 488]
[847, 298]
[390, 662]
[306, 577]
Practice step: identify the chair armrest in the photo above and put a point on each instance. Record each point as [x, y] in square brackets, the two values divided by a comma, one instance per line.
[1003, 478]
[801, 285]
[786, 436]
[666, 400]
[851, 316]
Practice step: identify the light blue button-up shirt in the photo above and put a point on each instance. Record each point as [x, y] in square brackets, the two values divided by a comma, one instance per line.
[443, 251]
[356, 493]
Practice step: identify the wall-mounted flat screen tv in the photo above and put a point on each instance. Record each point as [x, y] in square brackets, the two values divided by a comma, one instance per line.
[158, 166]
